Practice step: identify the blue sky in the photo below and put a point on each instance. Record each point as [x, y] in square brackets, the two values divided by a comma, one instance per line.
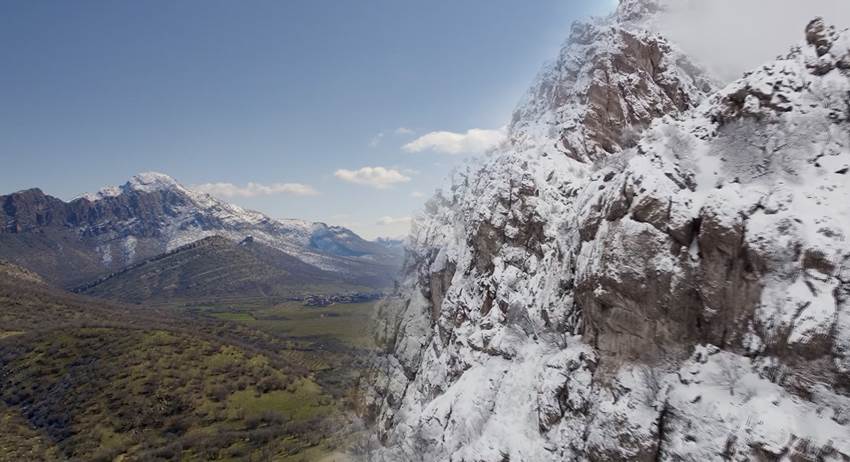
[294, 96]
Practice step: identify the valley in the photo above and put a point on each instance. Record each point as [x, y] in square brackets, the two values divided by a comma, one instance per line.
[183, 332]
[336, 324]
[153, 322]
[239, 381]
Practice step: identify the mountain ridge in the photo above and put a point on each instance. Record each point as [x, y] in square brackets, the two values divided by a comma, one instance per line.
[215, 268]
[74, 242]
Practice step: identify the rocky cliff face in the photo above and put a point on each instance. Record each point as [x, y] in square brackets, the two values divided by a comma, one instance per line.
[612, 78]
[651, 269]
[72, 243]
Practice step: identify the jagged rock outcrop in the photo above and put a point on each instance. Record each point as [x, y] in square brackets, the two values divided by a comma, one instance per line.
[610, 80]
[678, 296]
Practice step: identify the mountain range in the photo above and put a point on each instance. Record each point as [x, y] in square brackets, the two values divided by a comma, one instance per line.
[74, 243]
[653, 266]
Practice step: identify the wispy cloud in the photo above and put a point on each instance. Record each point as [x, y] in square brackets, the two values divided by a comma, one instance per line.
[376, 177]
[417, 194]
[475, 140]
[376, 140]
[255, 189]
[400, 131]
[390, 221]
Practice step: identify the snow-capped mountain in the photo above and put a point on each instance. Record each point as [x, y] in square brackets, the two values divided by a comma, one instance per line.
[152, 213]
[651, 268]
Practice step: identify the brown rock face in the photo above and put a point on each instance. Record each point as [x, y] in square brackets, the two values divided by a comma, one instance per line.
[634, 308]
[30, 209]
[438, 284]
[728, 280]
[651, 297]
[629, 90]
[612, 85]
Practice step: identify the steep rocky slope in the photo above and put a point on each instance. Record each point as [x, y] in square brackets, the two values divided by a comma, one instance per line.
[75, 242]
[647, 270]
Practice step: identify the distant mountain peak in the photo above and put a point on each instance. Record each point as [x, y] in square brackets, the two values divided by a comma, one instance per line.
[153, 181]
[142, 182]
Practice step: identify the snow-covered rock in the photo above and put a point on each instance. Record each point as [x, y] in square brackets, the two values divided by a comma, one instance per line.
[657, 273]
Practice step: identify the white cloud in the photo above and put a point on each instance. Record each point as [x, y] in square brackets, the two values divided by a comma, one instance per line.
[255, 189]
[376, 177]
[390, 221]
[475, 140]
[417, 195]
[404, 131]
[731, 37]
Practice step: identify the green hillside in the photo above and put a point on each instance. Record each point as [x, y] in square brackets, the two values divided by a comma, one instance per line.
[83, 379]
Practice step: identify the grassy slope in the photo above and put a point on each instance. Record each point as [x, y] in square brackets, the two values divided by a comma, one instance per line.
[332, 341]
[19, 441]
[84, 379]
[102, 392]
[347, 323]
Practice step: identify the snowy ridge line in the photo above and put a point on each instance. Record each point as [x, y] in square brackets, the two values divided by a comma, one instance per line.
[290, 235]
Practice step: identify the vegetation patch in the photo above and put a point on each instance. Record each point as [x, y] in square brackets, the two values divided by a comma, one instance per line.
[347, 323]
[20, 442]
[84, 379]
[97, 393]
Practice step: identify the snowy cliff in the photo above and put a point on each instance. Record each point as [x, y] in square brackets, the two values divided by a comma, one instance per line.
[649, 269]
